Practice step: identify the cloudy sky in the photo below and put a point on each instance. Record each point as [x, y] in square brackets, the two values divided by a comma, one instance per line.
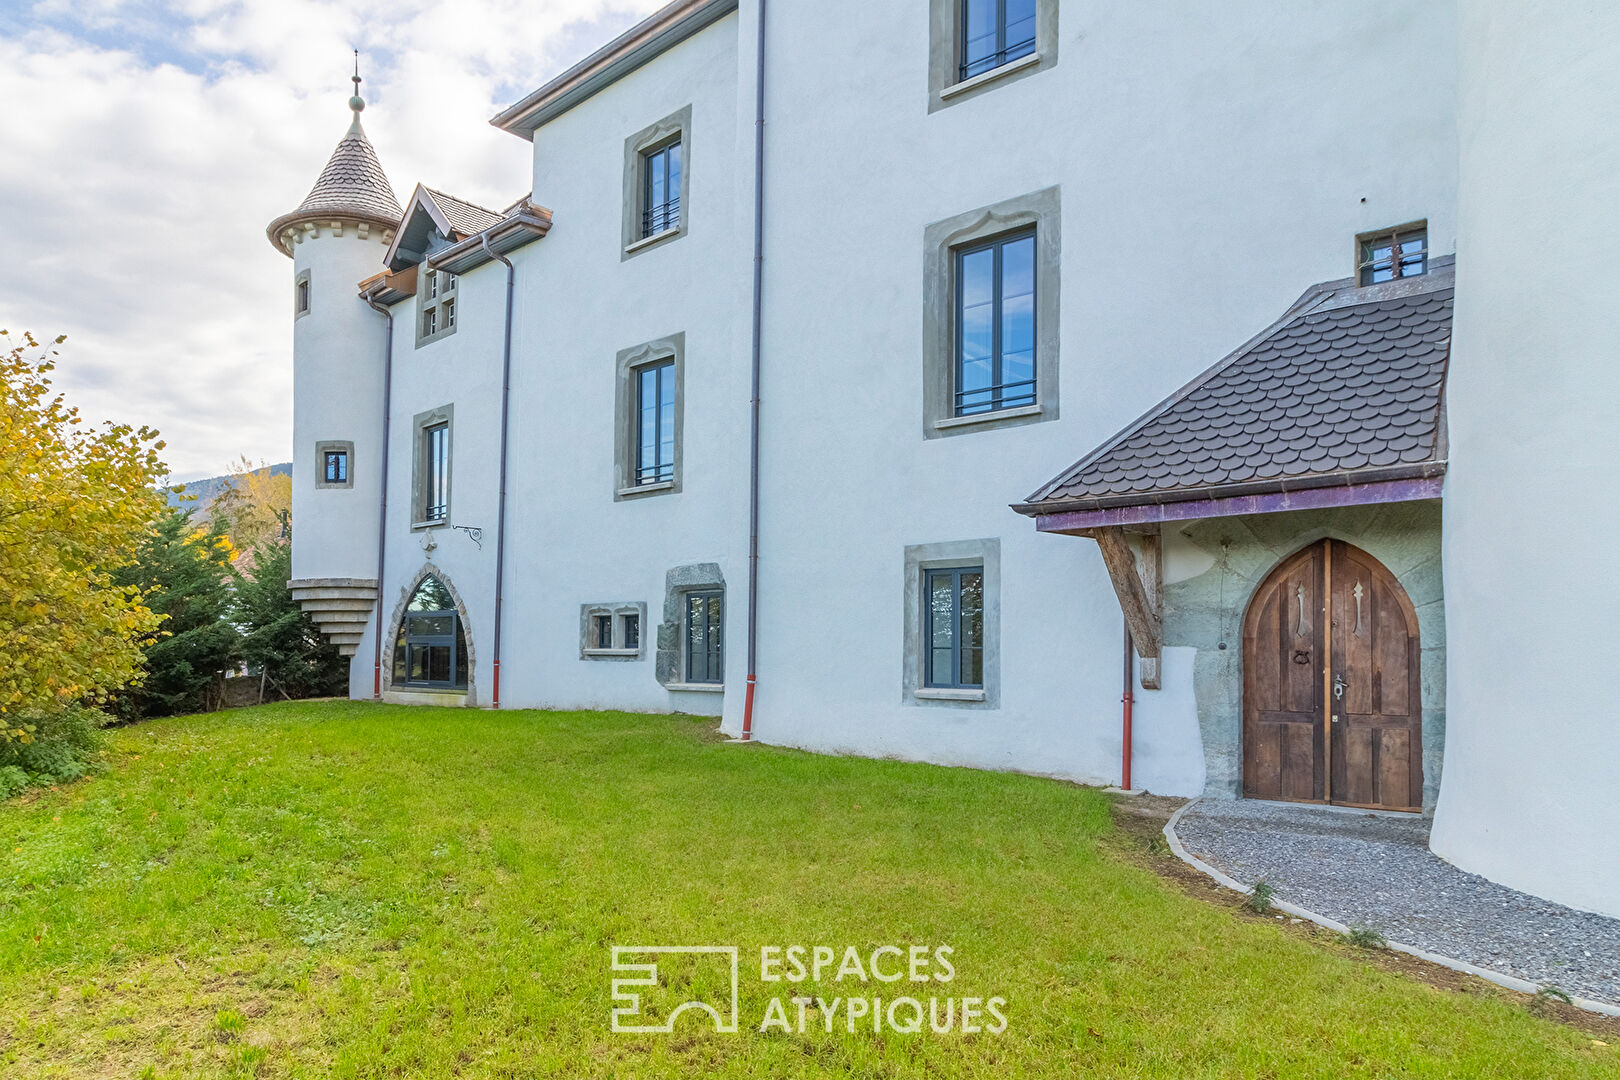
[144, 146]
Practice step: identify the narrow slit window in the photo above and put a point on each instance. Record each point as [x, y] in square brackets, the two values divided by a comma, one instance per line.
[704, 645]
[995, 32]
[303, 296]
[661, 190]
[954, 601]
[430, 322]
[449, 309]
[995, 325]
[1399, 253]
[436, 470]
[655, 423]
[603, 625]
[632, 631]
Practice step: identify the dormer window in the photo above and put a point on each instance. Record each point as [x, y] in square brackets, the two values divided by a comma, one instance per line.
[1392, 254]
[436, 300]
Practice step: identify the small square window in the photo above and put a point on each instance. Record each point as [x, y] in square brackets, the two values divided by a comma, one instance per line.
[336, 469]
[632, 631]
[1392, 254]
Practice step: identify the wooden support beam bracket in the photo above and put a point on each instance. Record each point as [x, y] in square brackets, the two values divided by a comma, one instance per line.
[1136, 579]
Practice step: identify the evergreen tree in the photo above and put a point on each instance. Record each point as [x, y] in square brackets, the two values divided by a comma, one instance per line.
[278, 637]
[184, 572]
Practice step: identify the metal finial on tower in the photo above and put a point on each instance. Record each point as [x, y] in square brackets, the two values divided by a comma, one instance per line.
[357, 103]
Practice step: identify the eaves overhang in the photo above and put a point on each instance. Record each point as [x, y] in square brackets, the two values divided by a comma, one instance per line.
[657, 34]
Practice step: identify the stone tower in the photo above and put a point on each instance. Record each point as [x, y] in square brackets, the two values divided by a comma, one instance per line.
[336, 238]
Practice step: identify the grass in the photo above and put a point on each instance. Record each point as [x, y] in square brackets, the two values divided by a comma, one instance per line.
[355, 891]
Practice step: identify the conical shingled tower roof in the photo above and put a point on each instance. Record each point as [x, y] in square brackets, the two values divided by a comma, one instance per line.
[352, 187]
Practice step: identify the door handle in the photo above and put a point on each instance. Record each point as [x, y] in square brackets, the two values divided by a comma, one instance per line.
[1338, 689]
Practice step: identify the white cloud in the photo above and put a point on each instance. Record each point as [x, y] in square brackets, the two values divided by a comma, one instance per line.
[144, 148]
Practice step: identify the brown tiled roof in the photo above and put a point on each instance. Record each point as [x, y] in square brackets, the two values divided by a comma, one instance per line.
[353, 185]
[464, 217]
[1348, 386]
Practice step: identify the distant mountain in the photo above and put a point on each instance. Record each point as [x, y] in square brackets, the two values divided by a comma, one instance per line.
[204, 492]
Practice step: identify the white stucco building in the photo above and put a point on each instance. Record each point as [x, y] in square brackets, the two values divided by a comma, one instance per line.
[858, 380]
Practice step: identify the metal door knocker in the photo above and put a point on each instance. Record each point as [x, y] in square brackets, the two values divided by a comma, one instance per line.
[1302, 656]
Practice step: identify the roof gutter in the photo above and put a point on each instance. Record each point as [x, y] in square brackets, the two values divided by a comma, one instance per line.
[500, 511]
[523, 226]
[753, 401]
[662, 31]
[382, 502]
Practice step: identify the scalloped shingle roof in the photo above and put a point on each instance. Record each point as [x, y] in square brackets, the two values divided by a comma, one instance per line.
[1349, 381]
[352, 185]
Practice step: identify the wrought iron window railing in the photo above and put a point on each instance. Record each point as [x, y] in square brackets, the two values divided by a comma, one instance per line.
[659, 218]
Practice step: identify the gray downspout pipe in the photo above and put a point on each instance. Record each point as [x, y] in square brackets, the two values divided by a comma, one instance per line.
[382, 505]
[753, 401]
[500, 505]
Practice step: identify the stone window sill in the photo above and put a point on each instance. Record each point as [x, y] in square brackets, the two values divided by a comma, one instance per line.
[988, 417]
[943, 693]
[647, 489]
[429, 524]
[613, 653]
[656, 238]
[696, 687]
[990, 76]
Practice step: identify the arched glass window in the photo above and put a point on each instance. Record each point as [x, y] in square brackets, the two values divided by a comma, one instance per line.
[431, 649]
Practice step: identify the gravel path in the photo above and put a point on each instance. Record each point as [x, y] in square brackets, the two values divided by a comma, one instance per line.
[1377, 871]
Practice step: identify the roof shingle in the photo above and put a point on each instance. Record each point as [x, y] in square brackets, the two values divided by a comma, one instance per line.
[1349, 379]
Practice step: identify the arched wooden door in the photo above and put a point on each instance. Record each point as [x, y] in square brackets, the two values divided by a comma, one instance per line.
[1332, 707]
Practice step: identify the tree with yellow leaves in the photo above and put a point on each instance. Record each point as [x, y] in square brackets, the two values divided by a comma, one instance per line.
[76, 500]
[254, 504]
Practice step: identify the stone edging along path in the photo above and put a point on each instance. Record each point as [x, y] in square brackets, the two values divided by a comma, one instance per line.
[1512, 982]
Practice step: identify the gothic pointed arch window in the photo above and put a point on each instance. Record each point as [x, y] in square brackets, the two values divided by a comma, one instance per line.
[430, 649]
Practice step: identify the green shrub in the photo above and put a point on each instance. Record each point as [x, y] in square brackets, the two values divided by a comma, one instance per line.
[63, 745]
[1259, 898]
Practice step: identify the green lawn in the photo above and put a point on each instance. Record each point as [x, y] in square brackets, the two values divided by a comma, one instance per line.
[355, 890]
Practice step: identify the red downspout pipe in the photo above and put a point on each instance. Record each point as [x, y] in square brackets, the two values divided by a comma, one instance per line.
[382, 508]
[753, 401]
[1129, 699]
[500, 506]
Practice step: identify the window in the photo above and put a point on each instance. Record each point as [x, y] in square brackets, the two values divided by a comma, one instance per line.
[661, 189]
[994, 32]
[336, 469]
[301, 295]
[431, 468]
[611, 631]
[995, 325]
[955, 633]
[977, 46]
[436, 302]
[657, 182]
[430, 649]
[952, 617]
[990, 317]
[437, 467]
[655, 423]
[334, 464]
[1392, 254]
[704, 644]
[647, 415]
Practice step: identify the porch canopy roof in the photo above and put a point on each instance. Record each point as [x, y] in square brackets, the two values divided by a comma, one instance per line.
[1341, 401]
